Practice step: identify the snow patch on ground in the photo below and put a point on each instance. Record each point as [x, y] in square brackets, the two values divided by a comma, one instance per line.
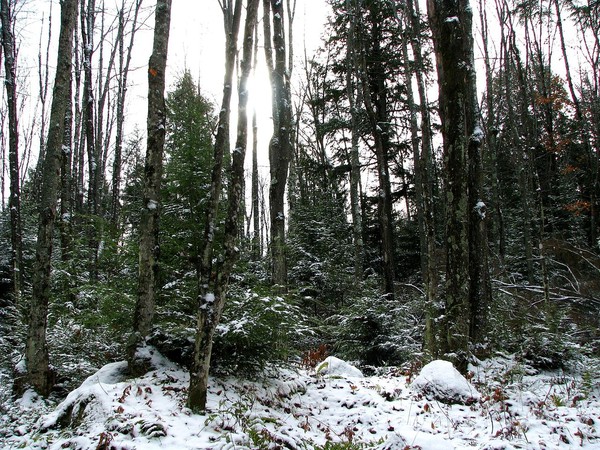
[300, 409]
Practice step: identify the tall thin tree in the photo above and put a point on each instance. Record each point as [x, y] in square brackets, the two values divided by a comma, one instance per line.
[211, 305]
[149, 227]
[36, 350]
[451, 25]
[280, 146]
[7, 12]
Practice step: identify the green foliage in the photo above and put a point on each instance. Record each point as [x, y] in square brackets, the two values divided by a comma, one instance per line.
[376, 331]
[541, 334]
[320, 254]
[256, 330]
[187, 176]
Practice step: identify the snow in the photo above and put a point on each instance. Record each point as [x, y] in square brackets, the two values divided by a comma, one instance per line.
[152, 205]
[452, 19]
[333, 366]
[296, 408]
[444, 383]
[477, 135]
[480, 209]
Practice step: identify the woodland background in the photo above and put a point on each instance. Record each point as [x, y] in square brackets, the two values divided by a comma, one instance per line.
[356, 258]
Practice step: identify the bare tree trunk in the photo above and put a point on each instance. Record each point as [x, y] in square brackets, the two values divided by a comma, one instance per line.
[211, 305]
[14, 202]
[491, 141]
[149, 244]
[43, 84]
[87, 18]
[354, 98]
[124, 62]
[66, 199]
[231, 21]
[36, 350]
[424, 166]
[451, 25]
[279, 147]
[256, 241]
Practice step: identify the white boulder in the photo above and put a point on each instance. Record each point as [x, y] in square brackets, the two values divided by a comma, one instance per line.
[440, 380]
[333, 366]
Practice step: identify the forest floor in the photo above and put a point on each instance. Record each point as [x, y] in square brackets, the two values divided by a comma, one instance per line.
[518, 408]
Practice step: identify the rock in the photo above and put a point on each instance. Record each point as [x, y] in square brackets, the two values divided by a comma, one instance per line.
[336, 367]
[440, 380]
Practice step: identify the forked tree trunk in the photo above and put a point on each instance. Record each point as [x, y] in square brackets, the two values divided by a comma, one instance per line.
[231, 21]
[149, 244]
[211, 305]
[36, 350]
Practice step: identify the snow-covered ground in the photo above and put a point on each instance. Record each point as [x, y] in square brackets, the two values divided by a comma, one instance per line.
[506, 406]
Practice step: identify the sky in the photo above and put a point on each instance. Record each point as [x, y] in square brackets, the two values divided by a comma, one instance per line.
[196, 43]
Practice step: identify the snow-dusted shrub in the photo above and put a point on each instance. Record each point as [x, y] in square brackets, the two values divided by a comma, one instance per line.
[377, 331]
[256, 330]
[539, 333]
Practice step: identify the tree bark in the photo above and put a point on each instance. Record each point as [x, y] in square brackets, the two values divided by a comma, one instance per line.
[36, 350]
[149, 226]
[424, 168]
[354, 98]
[14, 202]
[451, 25]
[124, 62]
[211, 304]
[231, 21]
[279, 147]
[256, 241]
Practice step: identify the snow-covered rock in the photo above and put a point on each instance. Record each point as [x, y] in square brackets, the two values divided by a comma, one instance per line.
[337, 367]
[443, 382]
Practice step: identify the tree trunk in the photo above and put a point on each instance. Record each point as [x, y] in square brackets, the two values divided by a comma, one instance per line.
[36, 350]
[14, 202]
[279, 148]
[149, 244]
[451, 25]
[256, 247]
[374, 97]
[211, 304]
[424, 165]
[124, 62]
[354, 98]
[231, 21]
[66, 203]
[87, 18]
